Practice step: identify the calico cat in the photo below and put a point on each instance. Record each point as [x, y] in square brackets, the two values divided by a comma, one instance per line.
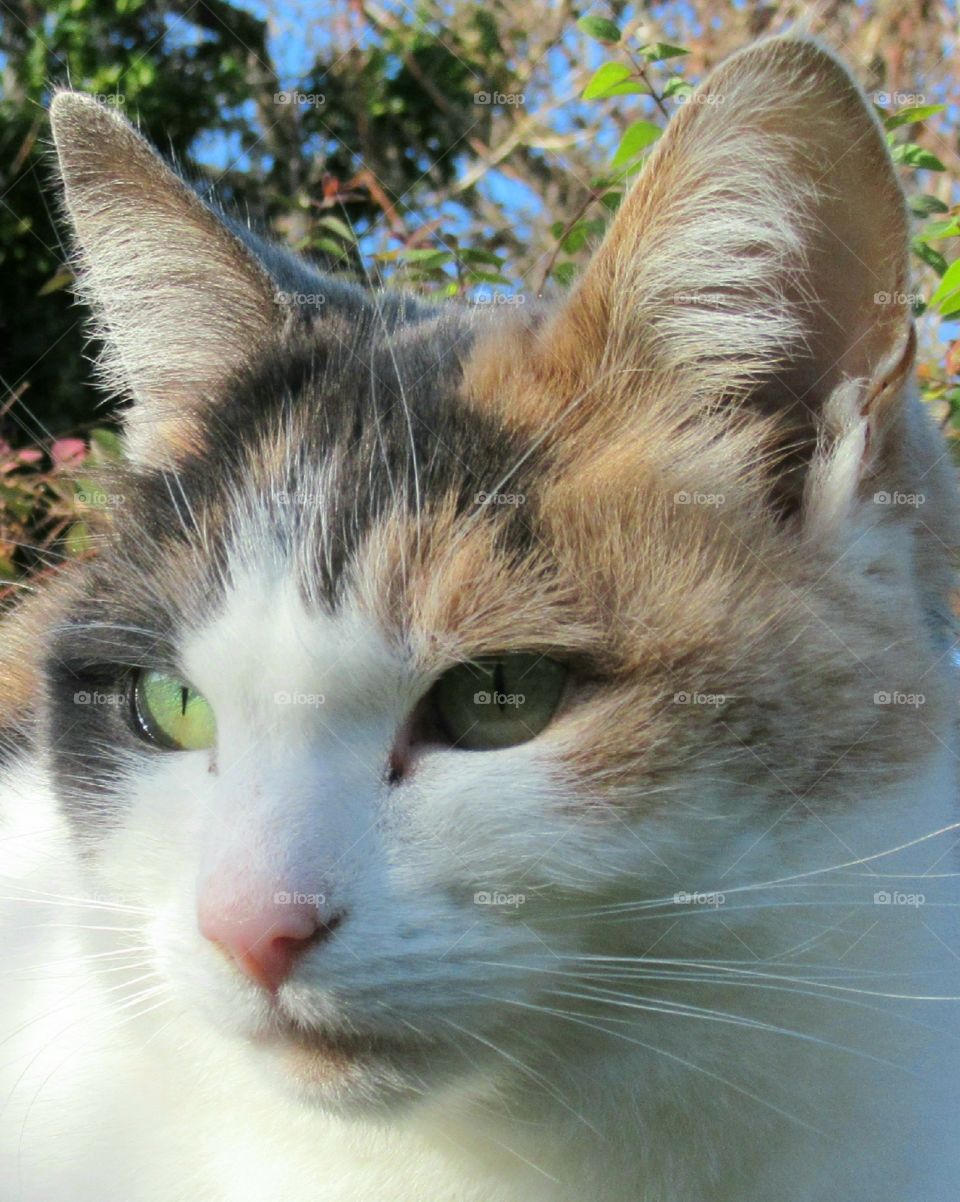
[498, 753]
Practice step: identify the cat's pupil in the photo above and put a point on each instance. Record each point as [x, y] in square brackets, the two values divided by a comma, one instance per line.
[499, 686]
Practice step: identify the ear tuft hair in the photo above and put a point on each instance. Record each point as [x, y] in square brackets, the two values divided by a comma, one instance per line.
[744, 266]
[179, 301]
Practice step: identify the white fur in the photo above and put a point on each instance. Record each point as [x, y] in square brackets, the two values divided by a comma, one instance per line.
[616, 1103]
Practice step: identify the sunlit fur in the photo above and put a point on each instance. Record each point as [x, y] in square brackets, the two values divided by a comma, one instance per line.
[692, 989]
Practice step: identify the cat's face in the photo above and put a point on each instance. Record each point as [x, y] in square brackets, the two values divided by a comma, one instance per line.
[419, 641]
[363, 860]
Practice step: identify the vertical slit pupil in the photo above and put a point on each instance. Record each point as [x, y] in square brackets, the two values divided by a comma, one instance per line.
[498, 685]
[184, 694]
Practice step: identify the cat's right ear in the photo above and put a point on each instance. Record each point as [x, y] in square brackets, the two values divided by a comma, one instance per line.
[179, 300]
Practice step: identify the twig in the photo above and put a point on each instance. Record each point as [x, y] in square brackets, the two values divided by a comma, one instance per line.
[592, 195]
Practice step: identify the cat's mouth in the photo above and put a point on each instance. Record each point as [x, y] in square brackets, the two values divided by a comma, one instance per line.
[343, 1072]
[329, 1053]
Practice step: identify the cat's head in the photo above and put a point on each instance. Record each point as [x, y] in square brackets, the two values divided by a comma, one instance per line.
[421, 637]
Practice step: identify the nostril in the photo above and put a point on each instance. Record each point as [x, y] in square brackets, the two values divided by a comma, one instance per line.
[274, 964]
[267, 942]
[327, 927]
[293, 946]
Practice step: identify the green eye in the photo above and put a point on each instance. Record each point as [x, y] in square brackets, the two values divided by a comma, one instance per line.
[172, 714]
[498, 701]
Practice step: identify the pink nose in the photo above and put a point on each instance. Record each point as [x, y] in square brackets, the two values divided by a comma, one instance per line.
[266, 941]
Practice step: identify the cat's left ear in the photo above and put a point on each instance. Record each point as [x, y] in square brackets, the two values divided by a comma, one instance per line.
[759, 261]
[180, 301]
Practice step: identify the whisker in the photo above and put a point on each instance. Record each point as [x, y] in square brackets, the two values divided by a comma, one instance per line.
[537, 1078]
[748, 1093]
[689, 1010]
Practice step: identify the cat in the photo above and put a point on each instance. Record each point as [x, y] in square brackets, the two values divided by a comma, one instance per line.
[498, 752]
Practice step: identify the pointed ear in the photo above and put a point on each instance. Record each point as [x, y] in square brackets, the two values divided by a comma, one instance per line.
[760, 257]
[180, 302]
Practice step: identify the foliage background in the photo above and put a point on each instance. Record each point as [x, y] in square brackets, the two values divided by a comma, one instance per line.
[472, 150]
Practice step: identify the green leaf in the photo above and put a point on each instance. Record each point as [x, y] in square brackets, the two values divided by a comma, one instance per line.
[423, 256]
[923, 205]
[949, 286]
[613, 79]
[603, 78]
[677, 86]
[86, 491]
[616, 180]
[926, 254]
[338, 226]
[636, 139]
[106, 444]
[629, 87]
[919, 112]
[940, 229]
[473, 254]
[575, 237]
[657, 52]
[78, 539]
[611, 200]
[564, 273]
[599, 28]
[912, 155]
[61, 279]
[487, 277]
[330, 246]
[21, 503]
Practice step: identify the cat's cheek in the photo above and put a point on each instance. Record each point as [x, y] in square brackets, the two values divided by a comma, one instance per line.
[158, 830]
[496, 820]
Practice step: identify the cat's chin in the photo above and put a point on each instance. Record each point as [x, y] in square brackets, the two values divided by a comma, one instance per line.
[347, 1075]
